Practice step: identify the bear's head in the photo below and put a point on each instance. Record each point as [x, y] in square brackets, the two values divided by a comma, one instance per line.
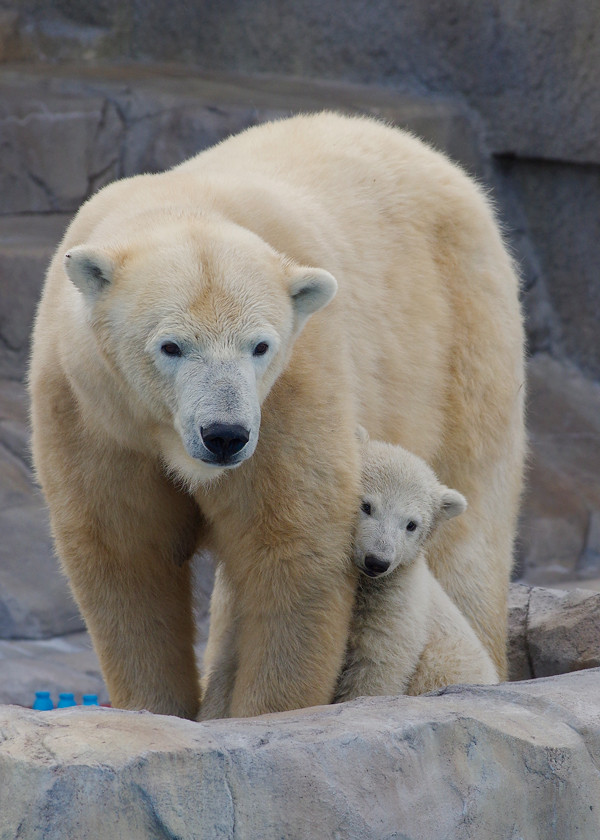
[196, 317]
[402, 502]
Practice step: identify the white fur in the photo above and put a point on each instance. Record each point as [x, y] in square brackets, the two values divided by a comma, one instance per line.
[407, 636]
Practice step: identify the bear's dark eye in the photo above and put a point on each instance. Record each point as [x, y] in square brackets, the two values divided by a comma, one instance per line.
[412, 526]
[260, 349]
[366, 508]
[169, 348]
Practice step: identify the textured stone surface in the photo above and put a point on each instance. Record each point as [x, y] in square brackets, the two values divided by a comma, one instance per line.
[563, 631]
[530, 69]
[34, 597]
[552, 631]
[560, 206]
[26, 246]
[519, 660]
[62, 663]
[35, 601]
[513, 761]
[11, 46]
[558, 537]
[56, 148]
[69, 132]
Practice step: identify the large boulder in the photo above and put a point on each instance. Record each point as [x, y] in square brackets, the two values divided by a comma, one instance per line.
[512, 761]
[552, 631]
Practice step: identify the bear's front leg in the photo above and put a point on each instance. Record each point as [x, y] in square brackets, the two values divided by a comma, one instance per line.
[292, 631]
[123, 534]
[290, 586]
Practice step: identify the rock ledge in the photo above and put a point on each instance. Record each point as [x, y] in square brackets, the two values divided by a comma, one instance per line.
[515, 760]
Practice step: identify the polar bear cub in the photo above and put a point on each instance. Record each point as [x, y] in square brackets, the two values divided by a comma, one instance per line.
[407, 636]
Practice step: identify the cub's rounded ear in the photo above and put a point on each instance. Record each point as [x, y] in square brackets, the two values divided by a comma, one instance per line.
[452, 502]
[90, 270]
[310, 290]
[362, 434]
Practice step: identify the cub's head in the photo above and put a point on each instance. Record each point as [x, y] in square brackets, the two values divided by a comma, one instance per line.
[402, 503]
[196, 317]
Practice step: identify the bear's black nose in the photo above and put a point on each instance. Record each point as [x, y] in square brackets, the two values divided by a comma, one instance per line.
[224, 440]
[375, 566]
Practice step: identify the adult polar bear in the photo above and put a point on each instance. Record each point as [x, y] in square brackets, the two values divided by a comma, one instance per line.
[174, 316]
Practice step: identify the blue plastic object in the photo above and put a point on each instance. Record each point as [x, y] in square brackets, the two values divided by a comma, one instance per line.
[65, 699]
[42, 701]
[90, 699]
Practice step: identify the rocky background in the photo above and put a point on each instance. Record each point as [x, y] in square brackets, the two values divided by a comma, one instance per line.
[93, 92]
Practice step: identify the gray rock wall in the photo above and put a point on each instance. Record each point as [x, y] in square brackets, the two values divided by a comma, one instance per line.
[527, 72]
[530, 69]
[560, 204]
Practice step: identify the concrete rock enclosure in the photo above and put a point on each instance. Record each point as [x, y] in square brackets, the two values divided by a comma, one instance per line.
[517, 761]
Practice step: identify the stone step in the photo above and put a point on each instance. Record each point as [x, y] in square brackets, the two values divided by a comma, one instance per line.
[66, 131]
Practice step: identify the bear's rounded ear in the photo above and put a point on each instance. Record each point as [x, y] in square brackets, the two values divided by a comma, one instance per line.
[90, 270]
[310, 290]
[452, 503]
[362, 434]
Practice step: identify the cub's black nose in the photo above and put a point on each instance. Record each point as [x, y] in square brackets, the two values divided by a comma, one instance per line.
[224, 440]
[375, 566]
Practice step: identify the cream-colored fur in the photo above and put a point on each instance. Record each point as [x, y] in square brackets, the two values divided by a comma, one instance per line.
[423, 344]
[407, 636]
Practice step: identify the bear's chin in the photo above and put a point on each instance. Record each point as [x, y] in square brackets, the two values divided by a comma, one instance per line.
[191, 478]
[188, 473]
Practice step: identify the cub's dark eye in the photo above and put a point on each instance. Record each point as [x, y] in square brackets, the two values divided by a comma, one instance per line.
[412, 526]
[260, 349]
[366, 508]
[169, 348]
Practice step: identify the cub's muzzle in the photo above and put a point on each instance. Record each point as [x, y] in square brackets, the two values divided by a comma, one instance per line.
[374, 566]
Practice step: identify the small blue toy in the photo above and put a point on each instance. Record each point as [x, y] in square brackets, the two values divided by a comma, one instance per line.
[65, 699]
[42, 702]
[90, 700]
